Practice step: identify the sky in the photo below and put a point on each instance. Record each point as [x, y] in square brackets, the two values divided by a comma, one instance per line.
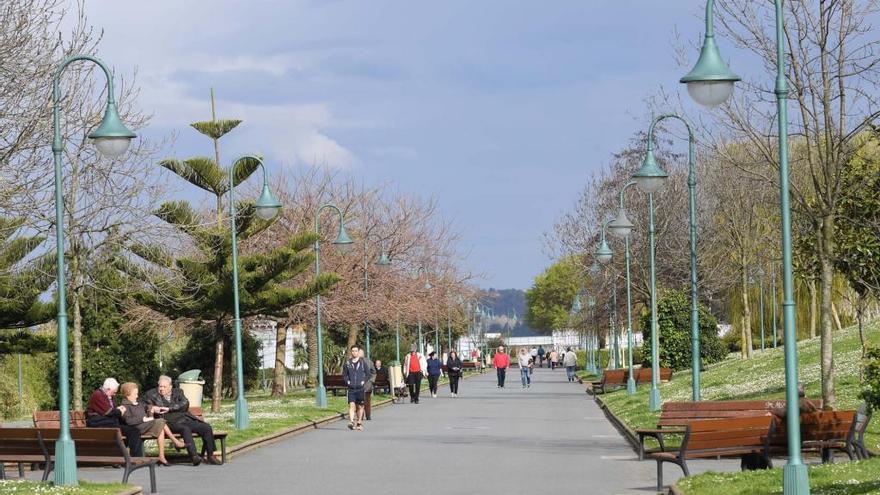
[499, 109]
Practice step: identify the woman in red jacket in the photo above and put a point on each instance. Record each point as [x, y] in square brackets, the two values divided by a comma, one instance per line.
[501, 361]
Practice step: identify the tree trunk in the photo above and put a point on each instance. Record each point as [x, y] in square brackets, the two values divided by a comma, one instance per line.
[860, 315]
[836, 316]
[278, 376]
[76, 334]
[814, 308]
[312, 349]
[746, 344]
[827, 278]
[353, 330]
[217, 392]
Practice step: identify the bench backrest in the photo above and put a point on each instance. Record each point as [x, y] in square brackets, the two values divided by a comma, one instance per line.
[94, 442]
[706, 434]
[643, 375]
[52, 419]
[197, 412]
[21, 441]
[611, 377]
[682, 413]
[827, 425]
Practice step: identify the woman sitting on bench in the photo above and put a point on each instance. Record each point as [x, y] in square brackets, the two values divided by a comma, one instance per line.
[140, 415]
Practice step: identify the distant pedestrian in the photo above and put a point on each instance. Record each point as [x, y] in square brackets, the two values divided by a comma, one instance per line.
[569, 360]
[525, 367]
[435, 369]
[453, 370]
[368, 387]
[554, 358]
[541, 353]
[355, 375]
[414, 368]
[501, 361]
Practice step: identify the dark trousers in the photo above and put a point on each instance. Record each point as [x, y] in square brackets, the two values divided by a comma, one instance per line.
[186, 427]
[414, 380]
[432, 383]
[132, 435]
[453, 384]
[368, 404]
[502, 373]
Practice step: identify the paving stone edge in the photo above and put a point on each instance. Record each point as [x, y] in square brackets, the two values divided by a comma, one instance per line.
[621, 426]
[134, 490]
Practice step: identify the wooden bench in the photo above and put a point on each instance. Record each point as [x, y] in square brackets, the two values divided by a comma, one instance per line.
[21, 446]
[825, 432]
[675, 416]
[471, 365]
[644, 375]
[99, 447]
[51, 419]
[334, 383]
[382, 382]
[709, 438]
[610, 379]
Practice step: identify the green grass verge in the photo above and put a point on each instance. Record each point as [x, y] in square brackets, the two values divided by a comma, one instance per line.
[848, 478]
[24, 487]
[761, 377]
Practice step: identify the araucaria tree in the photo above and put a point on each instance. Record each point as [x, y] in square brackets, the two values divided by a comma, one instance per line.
[193, 279]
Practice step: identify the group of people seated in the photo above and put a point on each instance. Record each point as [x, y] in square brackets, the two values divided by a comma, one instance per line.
[161, 412]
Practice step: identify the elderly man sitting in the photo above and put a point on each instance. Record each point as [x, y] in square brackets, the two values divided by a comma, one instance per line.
[180, 420]
[102, 412]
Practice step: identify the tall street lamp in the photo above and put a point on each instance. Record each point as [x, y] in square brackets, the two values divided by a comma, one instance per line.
[604, 255]
[622, 227]
[427, 287]
[266, 208]
[384, 262]
[650, 179]
[344, 243]
[112, 139]
[711, 83]
[692, 209]
[760, 274]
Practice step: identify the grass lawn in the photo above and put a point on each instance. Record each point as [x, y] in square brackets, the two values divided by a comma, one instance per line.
[850, 478]
[758, 378]
[21, 487]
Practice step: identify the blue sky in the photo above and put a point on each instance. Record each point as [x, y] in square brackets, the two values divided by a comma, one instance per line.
[499, 109]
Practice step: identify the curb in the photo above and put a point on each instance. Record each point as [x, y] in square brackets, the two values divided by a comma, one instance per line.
[675, 490]
[135, 490]
[624, 430]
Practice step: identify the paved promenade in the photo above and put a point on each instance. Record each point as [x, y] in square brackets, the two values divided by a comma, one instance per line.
[544, 439]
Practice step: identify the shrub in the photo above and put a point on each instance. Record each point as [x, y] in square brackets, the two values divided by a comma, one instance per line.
[674, 322]
[871, 379]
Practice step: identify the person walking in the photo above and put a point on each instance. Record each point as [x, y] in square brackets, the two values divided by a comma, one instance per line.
[525, 367]
[414, 367]
[355, 376]
[569, 360]
[435, 369]
[541, 353]
[501, 361]
[453, 370]
[368, 387]
[554, 358]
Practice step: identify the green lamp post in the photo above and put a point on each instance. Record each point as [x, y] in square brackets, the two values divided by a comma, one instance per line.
[773, 306]
[384, 262]
[650, 178]
[343, 242]
[266, 208]
[711, 83]
[760, 274]
[692, 210]
[112, 139]
[427, 287]
[604, 255]
[622, 227]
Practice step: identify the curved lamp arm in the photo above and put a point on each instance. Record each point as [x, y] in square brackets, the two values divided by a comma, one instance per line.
[623, 190]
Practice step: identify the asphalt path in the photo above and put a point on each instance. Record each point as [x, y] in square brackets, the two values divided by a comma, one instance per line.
[549, 438]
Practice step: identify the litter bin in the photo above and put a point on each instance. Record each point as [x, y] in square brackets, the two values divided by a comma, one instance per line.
[192, 386]
[395, 378]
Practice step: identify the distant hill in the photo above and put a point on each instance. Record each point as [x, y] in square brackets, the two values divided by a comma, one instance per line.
[507, 303]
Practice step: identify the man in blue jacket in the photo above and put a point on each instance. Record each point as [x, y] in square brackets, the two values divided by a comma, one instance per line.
[355, 375]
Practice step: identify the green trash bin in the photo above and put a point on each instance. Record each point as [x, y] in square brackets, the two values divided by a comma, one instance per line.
[192, 386]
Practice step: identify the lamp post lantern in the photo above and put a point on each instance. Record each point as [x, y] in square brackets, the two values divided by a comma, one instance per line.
[266, 208]
[622, 227]
[343, 242]
[112, 138]
[709, 75]
[692, 222]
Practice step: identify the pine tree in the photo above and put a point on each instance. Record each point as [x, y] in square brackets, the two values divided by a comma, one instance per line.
[198, 286]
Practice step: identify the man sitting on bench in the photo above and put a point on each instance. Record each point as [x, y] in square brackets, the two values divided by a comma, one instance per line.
[102, 412]
[181, 421]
